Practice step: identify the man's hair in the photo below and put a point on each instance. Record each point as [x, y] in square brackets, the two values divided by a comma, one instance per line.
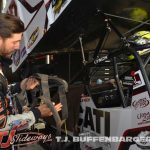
[9, 25]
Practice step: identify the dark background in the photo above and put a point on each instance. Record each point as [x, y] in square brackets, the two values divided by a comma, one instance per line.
[80, 18]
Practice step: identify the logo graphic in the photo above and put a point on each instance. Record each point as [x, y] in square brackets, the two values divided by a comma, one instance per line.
[143, 118]
[33, 37]
[140, 103]
[16, 57]
[138, 80]
[22, 138]
[30, 138]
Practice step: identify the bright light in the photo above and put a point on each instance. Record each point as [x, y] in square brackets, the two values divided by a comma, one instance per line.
[3, 4]
[106, 73]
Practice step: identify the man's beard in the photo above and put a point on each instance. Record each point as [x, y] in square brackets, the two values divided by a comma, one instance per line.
[5, 60]
[6, 55]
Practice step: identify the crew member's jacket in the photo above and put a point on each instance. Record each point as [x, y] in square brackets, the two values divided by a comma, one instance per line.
[9, 121]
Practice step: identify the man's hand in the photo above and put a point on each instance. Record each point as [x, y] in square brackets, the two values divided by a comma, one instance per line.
[46, 112]
[29, 83]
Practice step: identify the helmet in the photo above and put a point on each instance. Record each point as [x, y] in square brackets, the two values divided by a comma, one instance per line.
[140, 38]
[143, 142]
